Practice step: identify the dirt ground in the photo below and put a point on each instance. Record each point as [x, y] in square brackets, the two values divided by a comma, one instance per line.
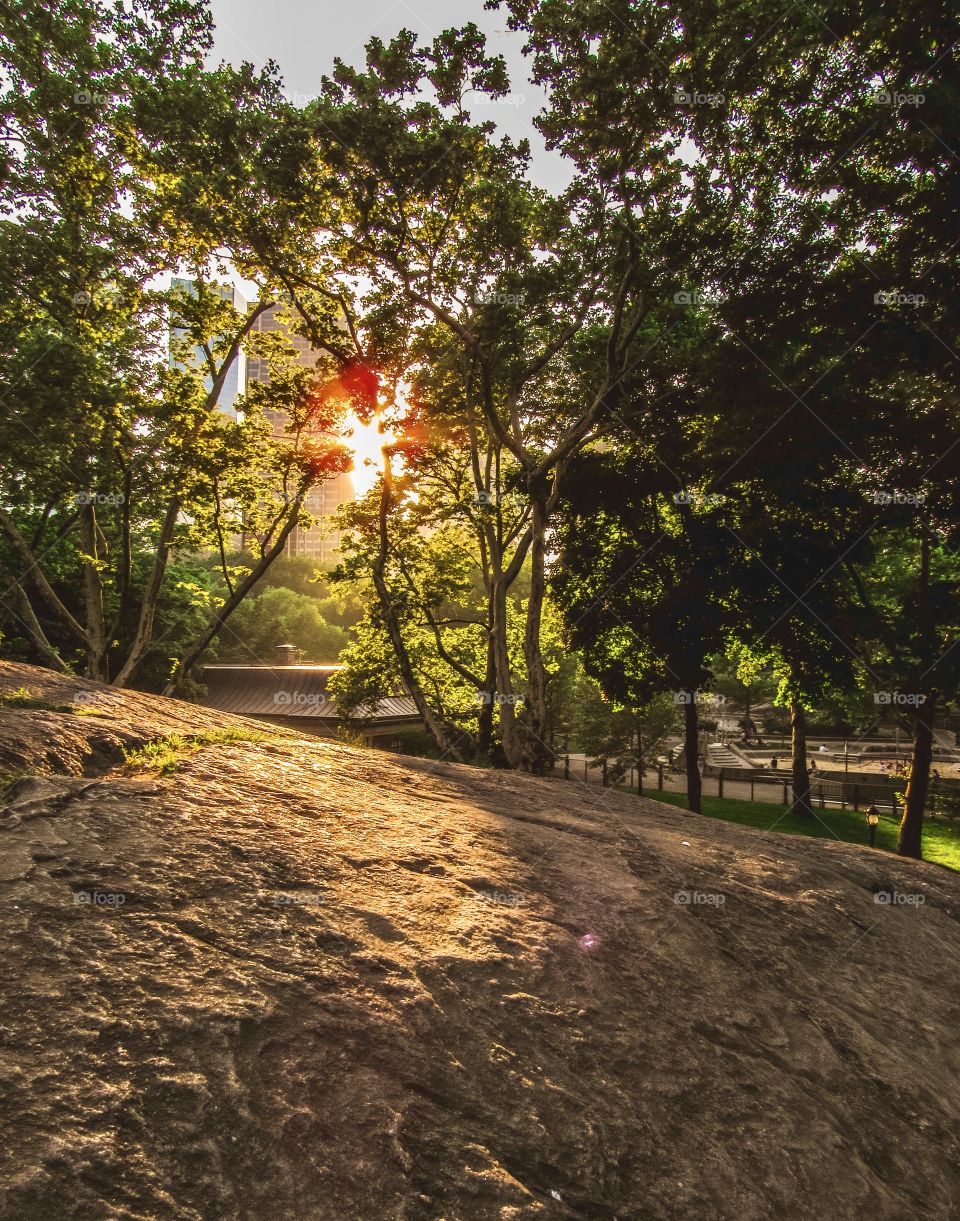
[294, 979]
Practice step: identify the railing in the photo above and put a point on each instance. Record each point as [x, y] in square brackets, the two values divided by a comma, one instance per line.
[745, 785]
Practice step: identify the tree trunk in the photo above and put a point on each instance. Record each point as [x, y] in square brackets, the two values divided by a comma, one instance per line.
[801, 776]
[34, 576]
[691, 745]
[151, 597]
[485, 719]
[510, 733]
[181, 670]
[536, 753]
[639, 759]
[909, 842]
[38, 639]
[93, 596]
[443, 742]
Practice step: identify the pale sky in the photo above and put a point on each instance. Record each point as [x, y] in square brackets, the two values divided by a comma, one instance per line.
[304, 38]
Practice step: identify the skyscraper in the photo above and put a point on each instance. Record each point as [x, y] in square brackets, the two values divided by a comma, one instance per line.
[236, 379]
[319, 542]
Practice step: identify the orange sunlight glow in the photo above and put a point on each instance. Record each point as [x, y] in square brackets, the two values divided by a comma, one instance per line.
[366, 443]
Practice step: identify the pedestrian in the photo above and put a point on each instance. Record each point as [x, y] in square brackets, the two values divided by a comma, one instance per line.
[773, 762]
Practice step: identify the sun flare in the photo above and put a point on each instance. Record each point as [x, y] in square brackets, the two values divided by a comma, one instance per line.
[365, 442]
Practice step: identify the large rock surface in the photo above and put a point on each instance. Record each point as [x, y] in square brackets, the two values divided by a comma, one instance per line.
[316, 982]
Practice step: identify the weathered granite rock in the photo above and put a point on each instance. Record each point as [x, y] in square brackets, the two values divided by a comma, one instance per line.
[294, 979]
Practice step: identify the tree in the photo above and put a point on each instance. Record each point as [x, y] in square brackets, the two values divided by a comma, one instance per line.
[643, 585]
[279, 616]
[110, 450]
[542, 301]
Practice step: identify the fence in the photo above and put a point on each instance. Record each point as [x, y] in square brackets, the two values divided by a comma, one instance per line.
[828, 792]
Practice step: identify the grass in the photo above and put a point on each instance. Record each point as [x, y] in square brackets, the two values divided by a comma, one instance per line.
[21, 698]
[941, 839]
[165, 753]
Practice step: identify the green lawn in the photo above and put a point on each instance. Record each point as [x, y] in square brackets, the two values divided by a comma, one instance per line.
[941, 839]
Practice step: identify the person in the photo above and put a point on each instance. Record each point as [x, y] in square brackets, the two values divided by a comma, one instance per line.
[813, 765]
[823, 747]
[773, 762]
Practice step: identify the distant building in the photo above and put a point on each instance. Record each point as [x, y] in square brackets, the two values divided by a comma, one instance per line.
[319, 543]
[236, 380]
[296, 697]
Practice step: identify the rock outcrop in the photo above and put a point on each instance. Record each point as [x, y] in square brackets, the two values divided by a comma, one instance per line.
[286, 978]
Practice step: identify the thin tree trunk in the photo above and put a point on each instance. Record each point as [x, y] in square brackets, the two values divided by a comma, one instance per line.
[691, 745]
[143, 636]
[639, 759]
[34, 575]
[909, 842]
[536, 753]
[93, 596]
[190, 658]
[444, 743]
[910, 839]
[509, 728]
[485, 719]
[36, 633]
[151, 597]
[800, 774]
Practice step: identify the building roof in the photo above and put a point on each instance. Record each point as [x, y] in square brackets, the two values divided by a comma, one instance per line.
[288, 691]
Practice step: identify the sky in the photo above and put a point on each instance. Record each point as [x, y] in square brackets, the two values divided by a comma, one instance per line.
[305, 36]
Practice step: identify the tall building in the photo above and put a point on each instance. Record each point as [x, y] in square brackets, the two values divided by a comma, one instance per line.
[320, 542]
[236, 380]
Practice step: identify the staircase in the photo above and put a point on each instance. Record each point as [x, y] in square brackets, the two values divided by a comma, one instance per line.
[723, 754]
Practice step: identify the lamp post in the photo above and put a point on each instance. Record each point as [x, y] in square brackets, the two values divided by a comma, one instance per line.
[873, 818]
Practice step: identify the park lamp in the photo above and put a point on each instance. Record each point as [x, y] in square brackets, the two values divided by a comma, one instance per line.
[873, 818]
